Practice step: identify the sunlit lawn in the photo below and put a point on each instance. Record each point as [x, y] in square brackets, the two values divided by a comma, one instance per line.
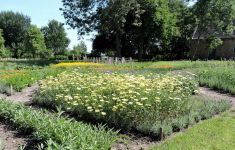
[214, 134]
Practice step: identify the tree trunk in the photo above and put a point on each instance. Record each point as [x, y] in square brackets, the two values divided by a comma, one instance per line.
[140, 52]
[198, 42]
[16, 53]
[118, 46]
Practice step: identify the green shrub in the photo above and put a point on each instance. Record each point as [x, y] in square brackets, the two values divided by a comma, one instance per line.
[57, 132]
[198, 110]
[218, 78]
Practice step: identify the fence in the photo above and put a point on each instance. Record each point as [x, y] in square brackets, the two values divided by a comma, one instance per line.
[108, 60]
[14, 59]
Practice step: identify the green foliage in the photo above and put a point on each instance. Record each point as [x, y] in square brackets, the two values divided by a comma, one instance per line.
[214, 17]
[35, 43]
[79, 50]
[117, 99]
[218, 78]
[15, 27]
[2, 41]
[198, 109]
[55, 131]
[55, 37]
[138, 23]
[17, 80]
[214, 42]
[2, 46]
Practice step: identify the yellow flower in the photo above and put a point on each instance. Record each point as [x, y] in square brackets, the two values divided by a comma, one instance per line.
[103, 113]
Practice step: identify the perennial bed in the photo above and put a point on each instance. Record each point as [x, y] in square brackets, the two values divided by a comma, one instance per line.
[219, 79]
[16, 80]
[56, 132]
[121, 100]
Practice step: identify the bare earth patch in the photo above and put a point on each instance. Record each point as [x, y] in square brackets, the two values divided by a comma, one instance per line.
[25, 96]
[10, 139]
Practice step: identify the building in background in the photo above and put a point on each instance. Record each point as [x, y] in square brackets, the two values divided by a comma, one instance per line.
[199, 49]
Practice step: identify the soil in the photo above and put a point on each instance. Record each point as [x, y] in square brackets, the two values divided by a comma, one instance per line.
[10, 139]
[133, 142]
[25, 96]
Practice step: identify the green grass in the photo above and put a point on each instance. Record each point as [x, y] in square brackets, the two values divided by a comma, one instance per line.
[214, 134]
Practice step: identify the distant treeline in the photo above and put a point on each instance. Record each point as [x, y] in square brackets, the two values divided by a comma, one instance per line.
[20, 39]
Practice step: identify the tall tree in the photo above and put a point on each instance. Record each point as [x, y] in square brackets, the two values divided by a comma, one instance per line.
[35, 43]
[15, 27]
[140, 22]
[79, 49]
[185, 20]
[107, 16]
[56, 37]
[157, 26]
[2, 41]
[2, 47]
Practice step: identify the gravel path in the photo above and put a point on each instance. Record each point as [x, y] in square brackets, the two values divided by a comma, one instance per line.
[213, 95]
[23, 97]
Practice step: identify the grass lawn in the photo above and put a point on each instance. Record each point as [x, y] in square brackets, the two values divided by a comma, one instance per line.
[214, 134]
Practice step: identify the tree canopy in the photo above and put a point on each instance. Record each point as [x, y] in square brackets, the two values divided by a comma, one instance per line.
[2, 41]
[143, 28]
[56, 37]
[142, 23]
[15, 27]
[213, 19]
[79, 49]
[35, 43]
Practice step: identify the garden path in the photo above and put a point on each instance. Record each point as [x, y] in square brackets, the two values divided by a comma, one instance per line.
[214, 95]
[24, 96]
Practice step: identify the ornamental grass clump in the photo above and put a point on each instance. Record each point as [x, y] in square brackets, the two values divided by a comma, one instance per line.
[120, 100]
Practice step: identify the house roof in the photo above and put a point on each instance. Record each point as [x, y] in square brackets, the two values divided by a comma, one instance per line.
[220, 35]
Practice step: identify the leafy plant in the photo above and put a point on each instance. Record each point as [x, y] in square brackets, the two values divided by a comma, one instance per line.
[54, 131]
[120, 100]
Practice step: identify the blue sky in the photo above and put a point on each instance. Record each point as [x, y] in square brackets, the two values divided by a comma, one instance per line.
[40, 12]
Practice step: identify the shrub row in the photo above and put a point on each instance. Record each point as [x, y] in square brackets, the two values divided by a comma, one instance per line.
[56, 132]
[198, 109]
[218, 79]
